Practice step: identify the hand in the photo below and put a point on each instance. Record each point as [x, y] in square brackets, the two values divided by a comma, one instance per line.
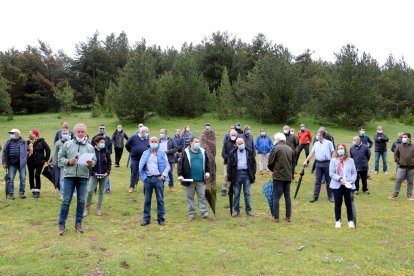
[73, 161]
[162, 177]
[180, 178]
[105, 174]
[5, 166]
[342, 181]
[206, 177]
[90, 163]
[305, 163]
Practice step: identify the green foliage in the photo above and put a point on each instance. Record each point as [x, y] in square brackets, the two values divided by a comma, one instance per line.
[226, 105]
[5, 101]
[96, 110]
[407, 116]
[65, 97]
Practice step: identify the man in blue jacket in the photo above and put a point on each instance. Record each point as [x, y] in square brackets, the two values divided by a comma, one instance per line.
[154, 169]
[361, 155]
[263, 146]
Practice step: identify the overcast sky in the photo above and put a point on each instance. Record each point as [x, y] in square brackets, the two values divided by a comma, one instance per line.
[324, 26]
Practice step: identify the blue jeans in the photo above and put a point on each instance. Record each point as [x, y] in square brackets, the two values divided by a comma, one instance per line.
[134, 172]
[242, 178]
[12, 174]
[171, 176]
[384, 160]
[150, 184]
[70, 184]
[322, 170]
[107, 184]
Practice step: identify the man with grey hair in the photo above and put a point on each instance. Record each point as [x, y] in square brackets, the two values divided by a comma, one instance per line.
[280, 163]
[136, 145]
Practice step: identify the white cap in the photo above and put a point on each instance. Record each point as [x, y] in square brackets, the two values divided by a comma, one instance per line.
[14, 130]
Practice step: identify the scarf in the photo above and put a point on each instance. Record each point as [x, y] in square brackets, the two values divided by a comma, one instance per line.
[31, 145]
[340, 164]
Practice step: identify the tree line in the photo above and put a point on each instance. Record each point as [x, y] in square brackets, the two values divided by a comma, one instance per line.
[222, 74]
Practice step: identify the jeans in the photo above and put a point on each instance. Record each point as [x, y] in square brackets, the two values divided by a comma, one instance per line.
[134, 172]
[62, 180]
[107, 184]
[34, 176]
[279, 188]
[171, 176]
[384, 160]
[339, 194]
[150, 184]
[69, 187]
[200, 189]
[118, 155]
[242, 178]
[264, 157]
[403, 174]
[12, 174]
[93, 182]
[363, 175]
[322, 169]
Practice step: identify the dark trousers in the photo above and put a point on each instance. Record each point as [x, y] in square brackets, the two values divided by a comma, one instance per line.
[34, 176]
[281, 188]
[300, 148]
[118, 155]
[322, 169]
[339, 194]
[363, 175]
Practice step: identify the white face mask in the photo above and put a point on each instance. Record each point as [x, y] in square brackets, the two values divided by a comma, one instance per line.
[80, 140]
[292, 133]
[379, 131]
[285, 131]
[233, 138]
[404, 140]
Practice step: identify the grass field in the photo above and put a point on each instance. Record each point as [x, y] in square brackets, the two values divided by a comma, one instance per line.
[115, 243]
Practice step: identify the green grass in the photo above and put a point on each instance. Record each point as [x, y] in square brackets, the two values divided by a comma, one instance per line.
[116, 244]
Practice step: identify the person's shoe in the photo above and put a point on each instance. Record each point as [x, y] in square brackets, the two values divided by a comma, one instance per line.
[78, 228]
[331, 199]
[108, 191]
[61, 231]
[261, 172]
[393, 196]
[223, 193]
[98, 211]
[10, 196]
[323, 182]
[275, 220]
[351, 224]
[235, 214]
[61, 197]
[376, 172]
[145, 222]
[338, 224]
[250, 214]
[191, 218]
[36, 194]
[161, 222]
[33, 195]
[86, 211]
[287, 219]
[172, 190]
[131, 190]
[116, 165]
[208, 217]
[313, 200]
[22, 196]
[410, 197]
[367, 192]
[385, 172]
[356, 193]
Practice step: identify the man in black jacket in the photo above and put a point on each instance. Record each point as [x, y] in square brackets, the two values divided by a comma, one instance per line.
[241, 171]
[361, 155]
[227, 147]
[118, 138]
[108, 143]
[380, 140]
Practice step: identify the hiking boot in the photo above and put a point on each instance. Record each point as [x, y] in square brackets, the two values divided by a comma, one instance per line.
[10, 196]
[98, 210]
[393, 196]
[87, 209]
[78, 228]
[207, 217]
[61, 231]
[287, 219]
[131, 190]
[22, 196]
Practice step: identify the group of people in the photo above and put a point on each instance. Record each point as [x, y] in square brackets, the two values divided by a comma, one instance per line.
[82, 166]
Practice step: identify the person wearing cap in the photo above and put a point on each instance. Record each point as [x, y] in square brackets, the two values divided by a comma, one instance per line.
[208, 142]
[14, 158]
[65, 125]
[38, 154]
[168, 145]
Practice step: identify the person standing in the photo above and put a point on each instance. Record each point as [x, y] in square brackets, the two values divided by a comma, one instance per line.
[293, 142]
[14, 158]
[361, 155]
[118, 138]
[60, 171]
[194, 165]
[343, 175]
[187, 135]
[238, 128]
[208, 143]
[322, 150]
[179, 141]
[154, 168]
[65, 125]
[99, 173]
[380, 149]
[280, 163]
[108, 143]
[404, 156]
[305, 138]
[38, 155]
[168, 145]
[136, 145]
[395, 145]
[76, 176]
[228, 146]
[248, 139]
[227, 135]
[263, 146]
[241, 172]
[364, 138]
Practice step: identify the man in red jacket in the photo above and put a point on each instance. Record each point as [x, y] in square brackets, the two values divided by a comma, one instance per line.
[305, 138]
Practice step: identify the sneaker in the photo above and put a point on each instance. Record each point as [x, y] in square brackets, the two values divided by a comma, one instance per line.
[131, 190]
[22, 196]
[385, 172]
[190, 218]
[250, 214]
[356, 193]
[235, 214]
[223, 193]
[287, 219]
[338, 224]
[375, 172]
[351, 224]
[275, 220]
[208, 217]
[10, 196]
[393, 196]
[410, 197]
[367, 192]
[61, 197]
[61, 231]
[108, 191]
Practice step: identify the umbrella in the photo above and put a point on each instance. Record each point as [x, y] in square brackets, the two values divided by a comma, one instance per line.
[211, 195]
[268, 192]
[6, 180]
[353, 209]
[231, 191]
[302, 173]
[49, 174]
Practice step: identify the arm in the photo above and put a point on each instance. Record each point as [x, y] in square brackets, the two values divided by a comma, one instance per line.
[385, 138]
[167, 167]
[126, 136]
[353, 171]
[310, 136]
[272, 158]
[173, 148]
[47, 150]
[370, 143]
[108, 162]
[368, 154]
[128, 145]
[113, 138]
[224, 153]
[311, 154]
[4, 157]
[207, 166]
[256, 146]
[180, 165]
[62, 156]
[397, 155]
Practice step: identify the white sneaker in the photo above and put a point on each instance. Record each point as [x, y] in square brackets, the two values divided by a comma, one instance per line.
[376, 172]
[61, 197]
[351, 224]
[385, 172]
[338, 224]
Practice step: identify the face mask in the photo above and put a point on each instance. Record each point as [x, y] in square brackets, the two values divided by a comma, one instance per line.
[154, 145]
[263, 133]
[146, 135]
[354, 143]
[404, 140]
[197, 146]
[177, 133]
[208, 127]
[101, 145]
[233, 138]
[119, 129]
[285, 131]
[341, 152]
[80, 140]
[65, 137]
[317, 138]
[241, 147]
[12, 136]
[302, 129]
[237, 127]
[362, 132]
[292, 133]
[247, 131]
[188, 129]
[162, 135]
[379, 131]
[101, 131]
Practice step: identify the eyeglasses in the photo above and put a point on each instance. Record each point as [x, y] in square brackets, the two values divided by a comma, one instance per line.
[101, 128]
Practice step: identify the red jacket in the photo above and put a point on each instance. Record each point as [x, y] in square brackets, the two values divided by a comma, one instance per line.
[305, 137]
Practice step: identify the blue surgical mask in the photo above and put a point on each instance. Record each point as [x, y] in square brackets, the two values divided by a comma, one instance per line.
[302, 128]
[146, 135]
[341, 152]
[241, 146]
[162, 135]
[12, 136]
[65, 137]
[317, 138]
[362, 132]
[197, 146]
[263, 133]
[154, 146]
[353, 143]
[101, 145]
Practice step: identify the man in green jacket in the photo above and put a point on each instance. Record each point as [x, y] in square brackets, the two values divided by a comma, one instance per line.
[76, 174]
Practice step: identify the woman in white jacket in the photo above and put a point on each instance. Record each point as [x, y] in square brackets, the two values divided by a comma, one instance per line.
[343, 175]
